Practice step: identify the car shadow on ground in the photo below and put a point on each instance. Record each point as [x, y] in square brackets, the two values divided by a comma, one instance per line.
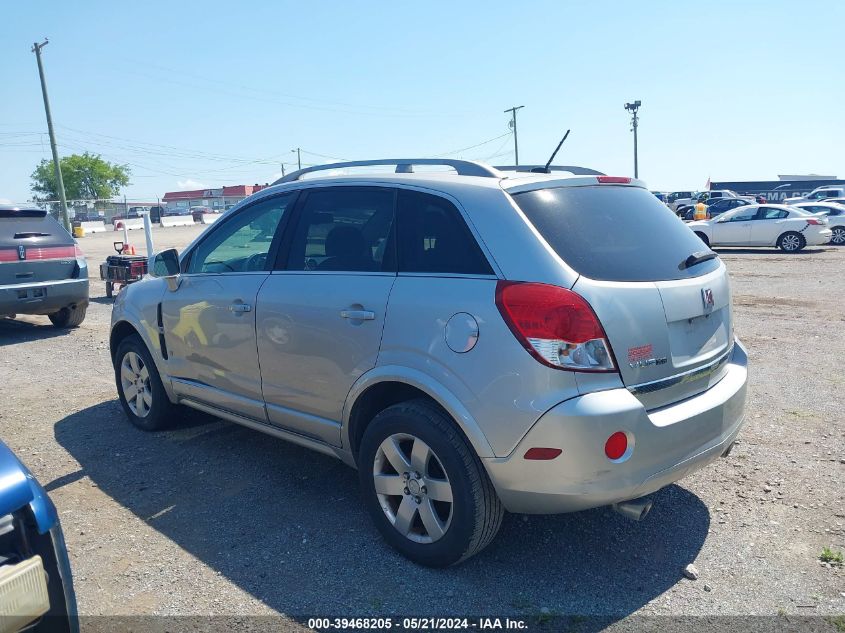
[287, 525]
[14, 331]
[737, 250]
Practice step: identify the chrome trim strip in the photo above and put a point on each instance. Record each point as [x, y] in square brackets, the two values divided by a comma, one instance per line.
[689, 376]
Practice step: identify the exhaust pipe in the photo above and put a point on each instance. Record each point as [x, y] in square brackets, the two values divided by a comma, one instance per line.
[635, 509]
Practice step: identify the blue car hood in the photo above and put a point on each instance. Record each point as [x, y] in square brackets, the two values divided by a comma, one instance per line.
[18, 488]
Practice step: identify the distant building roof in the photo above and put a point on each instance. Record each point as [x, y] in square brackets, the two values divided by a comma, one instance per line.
[233, 191]
[806, 177]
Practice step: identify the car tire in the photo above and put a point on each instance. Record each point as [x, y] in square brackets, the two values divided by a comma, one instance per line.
[139, 386]
[703, 238]
[791, 242]
[69, 317]
[838, 237]
[412, 511]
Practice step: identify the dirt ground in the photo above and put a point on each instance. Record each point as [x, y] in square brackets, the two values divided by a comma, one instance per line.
[212, 518]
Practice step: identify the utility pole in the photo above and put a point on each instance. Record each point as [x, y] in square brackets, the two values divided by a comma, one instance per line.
[60, 185]
[513, 127]
[298, 158]
[632, 108]
[283, 169]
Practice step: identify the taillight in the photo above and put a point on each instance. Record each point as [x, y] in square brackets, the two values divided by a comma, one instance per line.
[136, 269]
[613, 180]
[557, 326]
[78, 252]
[814, 222]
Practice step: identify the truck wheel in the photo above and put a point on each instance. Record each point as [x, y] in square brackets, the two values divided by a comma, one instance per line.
[424, 486]
[139, 387]
[68, 317]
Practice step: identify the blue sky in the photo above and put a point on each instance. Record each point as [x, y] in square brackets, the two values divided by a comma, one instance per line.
[196, 94]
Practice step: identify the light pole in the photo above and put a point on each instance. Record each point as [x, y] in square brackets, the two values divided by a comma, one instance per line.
[298, 157]
[513, 127]
[632, 108]
[60, 185]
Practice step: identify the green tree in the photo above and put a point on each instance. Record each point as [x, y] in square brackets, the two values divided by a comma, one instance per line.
[85, 176]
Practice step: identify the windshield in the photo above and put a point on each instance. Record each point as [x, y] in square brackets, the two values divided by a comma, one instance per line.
[613, 233]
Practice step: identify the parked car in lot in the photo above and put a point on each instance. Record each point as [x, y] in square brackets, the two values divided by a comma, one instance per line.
[676, 195]
[835, 214]
[717, 207]
[819, 193]
[198, 212]
[36, 586]
[465, 340]
[42, 269]
[681, 204]
[787, 227]
[88, 217]
[132, 214]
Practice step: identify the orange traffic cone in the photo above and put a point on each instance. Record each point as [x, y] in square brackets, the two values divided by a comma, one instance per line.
[129, 250]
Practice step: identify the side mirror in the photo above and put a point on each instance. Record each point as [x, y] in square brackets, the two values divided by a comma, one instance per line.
[166, 265]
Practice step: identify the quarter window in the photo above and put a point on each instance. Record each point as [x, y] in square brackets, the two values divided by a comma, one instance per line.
[243, 242]
[769, 213]
[343, 229]
[433, 237]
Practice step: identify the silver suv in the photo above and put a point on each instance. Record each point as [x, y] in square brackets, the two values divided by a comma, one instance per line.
[472, 342]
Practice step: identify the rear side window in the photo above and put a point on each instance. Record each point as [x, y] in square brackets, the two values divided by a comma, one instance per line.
[614, 233]
[433, 237]
[343, 229]
[769, 213]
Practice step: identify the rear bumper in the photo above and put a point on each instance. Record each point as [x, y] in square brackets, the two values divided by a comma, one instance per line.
[819, 237]
[668, 444]
[43, 297]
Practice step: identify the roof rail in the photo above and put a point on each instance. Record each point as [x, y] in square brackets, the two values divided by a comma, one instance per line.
[403, 166]
[572, 169]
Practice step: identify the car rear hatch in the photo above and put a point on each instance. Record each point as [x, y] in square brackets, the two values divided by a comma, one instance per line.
[35, 248]
[662, 297]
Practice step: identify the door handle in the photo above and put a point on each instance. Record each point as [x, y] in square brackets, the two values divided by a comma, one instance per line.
[240, 307]
[361, 315]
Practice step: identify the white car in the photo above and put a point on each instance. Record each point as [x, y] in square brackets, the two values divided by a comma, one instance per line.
[818, 194]
[788, 228]
[834, 211]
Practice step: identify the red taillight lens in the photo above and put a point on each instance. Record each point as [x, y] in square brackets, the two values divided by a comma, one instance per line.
[78, 251]
[814, 222]
[557, 326]
[613, 180]
[616, 445]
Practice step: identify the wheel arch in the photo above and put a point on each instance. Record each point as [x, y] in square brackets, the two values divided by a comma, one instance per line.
[385, 386]
[123, 329]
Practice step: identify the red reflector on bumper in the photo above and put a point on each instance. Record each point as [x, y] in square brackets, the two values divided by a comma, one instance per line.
[616, 445]
[542, 453]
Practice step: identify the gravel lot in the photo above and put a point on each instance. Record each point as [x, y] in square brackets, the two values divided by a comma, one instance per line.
[212, 518]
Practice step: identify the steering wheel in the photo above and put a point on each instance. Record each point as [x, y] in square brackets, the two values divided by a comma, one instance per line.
[255, 262]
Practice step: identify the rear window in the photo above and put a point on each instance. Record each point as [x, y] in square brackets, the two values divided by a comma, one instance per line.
[33, 224]
[613, 233]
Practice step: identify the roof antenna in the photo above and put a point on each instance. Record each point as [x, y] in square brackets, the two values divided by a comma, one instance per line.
[546, 170]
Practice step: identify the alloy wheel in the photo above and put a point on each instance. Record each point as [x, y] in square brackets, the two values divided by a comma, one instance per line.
[838, 236]
[791, 242]
[412, 488]
[135, 382]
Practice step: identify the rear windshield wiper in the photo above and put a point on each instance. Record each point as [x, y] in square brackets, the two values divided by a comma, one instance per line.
[697, 258]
